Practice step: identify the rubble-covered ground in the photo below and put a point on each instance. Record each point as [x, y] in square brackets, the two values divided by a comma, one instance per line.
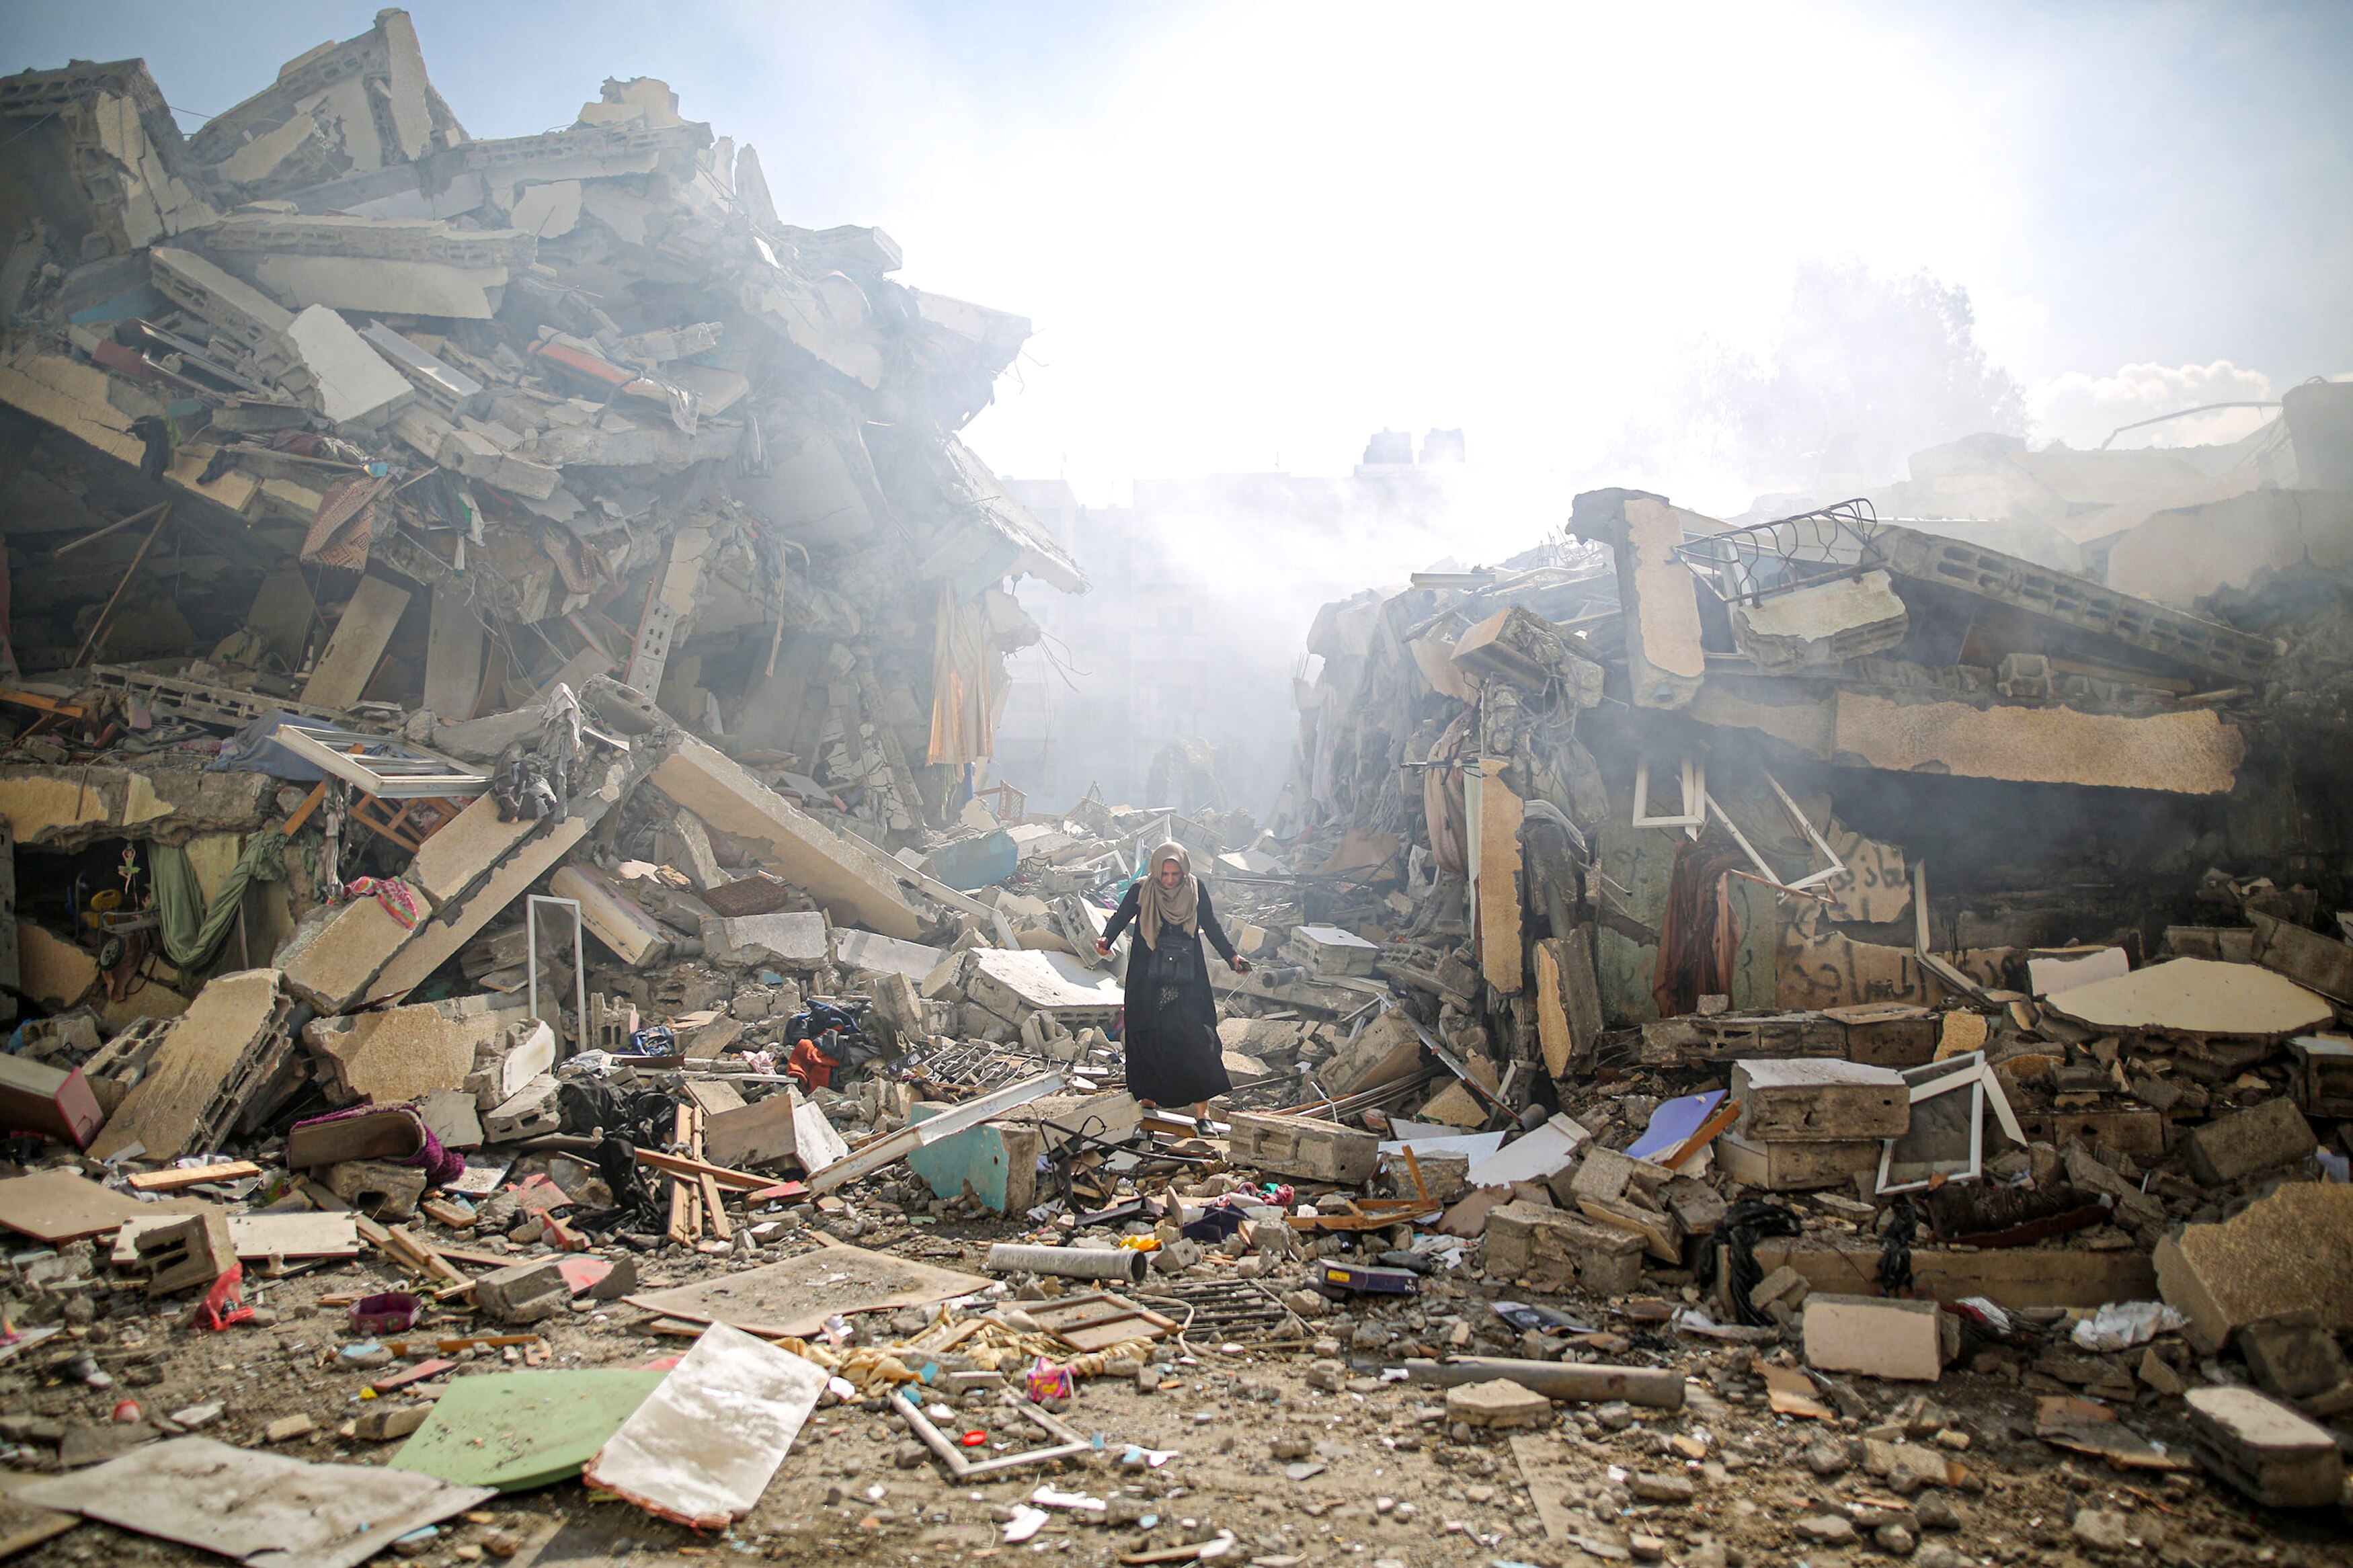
[1815, 1041]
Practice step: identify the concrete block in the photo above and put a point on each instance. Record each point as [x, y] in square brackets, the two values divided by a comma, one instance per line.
[2261, 1137]
[1555, 1251]
[186, 1252]
[1875, 1337]
[2293, 1356]
[800, 939]
[382, 1424]
[1603, 1175]
[1302, 1146]
[2266, 1450]
[1782, 1167]
[1328, 951]
[1784, 1285]
[522, 1292]
[526, 1114]
[1497, 1402]
[757, 1134]
[1819, 1101]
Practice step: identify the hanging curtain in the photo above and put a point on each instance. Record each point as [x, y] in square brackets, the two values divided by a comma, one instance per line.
[963, 666]
[192, 931]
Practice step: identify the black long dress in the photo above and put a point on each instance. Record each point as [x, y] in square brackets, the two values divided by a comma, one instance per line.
[1173, 1055]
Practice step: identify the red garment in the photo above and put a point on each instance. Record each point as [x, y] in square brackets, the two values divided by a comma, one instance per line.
[812, 1066]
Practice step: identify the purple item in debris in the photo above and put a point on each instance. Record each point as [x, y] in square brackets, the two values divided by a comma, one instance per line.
[390, 1132]
[394, 1312]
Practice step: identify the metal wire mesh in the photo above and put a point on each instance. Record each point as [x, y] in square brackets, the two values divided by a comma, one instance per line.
[1743, 565]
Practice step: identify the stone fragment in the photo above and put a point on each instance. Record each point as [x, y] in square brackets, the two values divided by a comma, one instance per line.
[2261, 1137]
[1497, 1402]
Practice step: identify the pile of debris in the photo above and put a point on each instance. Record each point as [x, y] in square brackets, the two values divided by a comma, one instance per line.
[500, 896]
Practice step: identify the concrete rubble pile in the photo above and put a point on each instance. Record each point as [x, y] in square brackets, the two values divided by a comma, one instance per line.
[1759, 1040]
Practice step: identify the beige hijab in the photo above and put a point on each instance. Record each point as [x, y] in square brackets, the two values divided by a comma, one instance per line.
[1155, 903]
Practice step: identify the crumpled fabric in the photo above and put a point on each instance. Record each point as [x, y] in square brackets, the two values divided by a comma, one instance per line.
[193, 929]
[2120, 1325]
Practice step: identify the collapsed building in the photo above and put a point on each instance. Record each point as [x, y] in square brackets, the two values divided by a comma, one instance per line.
[333, 428]
[501, 640]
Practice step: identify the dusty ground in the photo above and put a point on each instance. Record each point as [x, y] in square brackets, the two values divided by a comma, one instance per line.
[1370, 1471]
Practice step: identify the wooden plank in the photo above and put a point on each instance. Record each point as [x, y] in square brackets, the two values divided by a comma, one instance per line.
[1499, 889]
[453, 654]
[679, 1165]
[357, 645]
[172, 1180]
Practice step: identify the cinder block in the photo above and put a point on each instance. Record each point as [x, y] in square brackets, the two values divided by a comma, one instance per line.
[184, 1253]
[2263, 1448]
[1302, 1146]
[1875, 1337]
[1555, 1251]
[2261, 1137]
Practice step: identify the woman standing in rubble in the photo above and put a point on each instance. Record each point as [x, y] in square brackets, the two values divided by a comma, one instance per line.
[1171, 1031]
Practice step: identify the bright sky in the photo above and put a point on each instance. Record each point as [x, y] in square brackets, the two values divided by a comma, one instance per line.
[1250, 235]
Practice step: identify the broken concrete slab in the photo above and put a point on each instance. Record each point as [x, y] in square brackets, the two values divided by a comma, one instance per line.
[287, 1513]
[1302, 1146]
[2261, 1138]
[874, 954]
[1013, 984]
[1874, 1336]
[794, 939]
[1386, 1048]
[2009, 1277]
[612, 917]
[2284, 1253]
[404, 1053]
[790, 842]
[796, 1296]
[1795, 1167]
[2198, 996]
[1821, 623]
[1657, 595]
[212, 1061]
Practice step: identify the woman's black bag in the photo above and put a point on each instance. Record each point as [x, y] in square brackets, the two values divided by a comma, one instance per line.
[1171, 962]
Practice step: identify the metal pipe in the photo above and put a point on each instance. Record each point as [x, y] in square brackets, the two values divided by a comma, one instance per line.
[1069, 1262]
